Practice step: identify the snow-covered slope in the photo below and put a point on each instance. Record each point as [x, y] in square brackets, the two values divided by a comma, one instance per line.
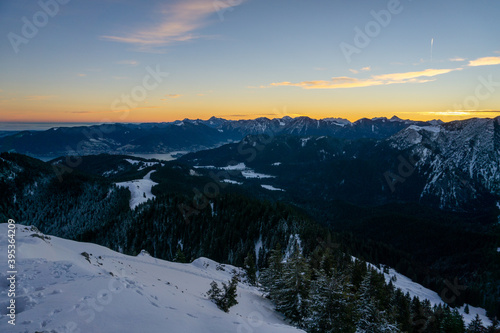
[459, 160]
[66, 286]
[414, 289]
[140, 190]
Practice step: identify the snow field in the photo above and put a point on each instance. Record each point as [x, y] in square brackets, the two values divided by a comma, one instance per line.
[67, 286]
[140, 190]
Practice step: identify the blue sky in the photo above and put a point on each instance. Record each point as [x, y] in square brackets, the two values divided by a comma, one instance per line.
[245, 59]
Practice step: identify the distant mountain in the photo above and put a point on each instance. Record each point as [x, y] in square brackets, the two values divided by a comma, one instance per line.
[457, 161]
[115, 138]
[188, 135]
[452, 166]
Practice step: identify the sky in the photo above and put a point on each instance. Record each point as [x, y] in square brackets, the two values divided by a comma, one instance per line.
[155, 61]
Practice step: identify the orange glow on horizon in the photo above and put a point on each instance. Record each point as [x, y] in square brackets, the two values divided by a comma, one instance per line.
[142, 117]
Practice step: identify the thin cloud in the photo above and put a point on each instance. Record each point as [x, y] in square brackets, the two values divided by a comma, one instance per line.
[375, 80]
[81, 75]
[458, 59]
[485, 61]
[128, 62]
[364, 69]
[170, 96]
[401, 77]
[180, 21]
[39, 97]
[464, 113]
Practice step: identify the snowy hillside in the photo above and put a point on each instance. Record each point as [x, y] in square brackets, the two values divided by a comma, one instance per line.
[458, 159]
[66, 286]
[140, 190]
[416, 290]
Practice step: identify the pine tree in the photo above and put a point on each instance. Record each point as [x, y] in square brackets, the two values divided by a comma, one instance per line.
[291, 299]
[475, 326]
[214, 293]
[329, 307]
[230, 293]
[270, 278]
[369, 318]
[493, 327]
[179, 256]
[224, 298]
[452, 322]
[251, 271]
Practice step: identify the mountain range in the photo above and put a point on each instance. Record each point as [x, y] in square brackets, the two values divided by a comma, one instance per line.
[188, 135]
[421, 197]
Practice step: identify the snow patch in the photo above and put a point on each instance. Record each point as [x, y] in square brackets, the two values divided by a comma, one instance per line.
[230, 181]
[239, 166]
[433, 129]
[140, 190]
[271, 188]
[252, 174]
[304, 141]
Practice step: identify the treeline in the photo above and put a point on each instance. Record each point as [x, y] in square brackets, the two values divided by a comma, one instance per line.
[329, 291]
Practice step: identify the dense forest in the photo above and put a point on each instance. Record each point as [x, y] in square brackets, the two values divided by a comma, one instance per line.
[312, 263]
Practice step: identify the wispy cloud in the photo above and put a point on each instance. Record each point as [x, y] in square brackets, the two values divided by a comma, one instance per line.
[81, 74]
[461, 113]
[179, 23]
[375, 80]
[170, 96]
[39, 97]
[485, 61]
[128, 62]
[364, 69]
[457, 59]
